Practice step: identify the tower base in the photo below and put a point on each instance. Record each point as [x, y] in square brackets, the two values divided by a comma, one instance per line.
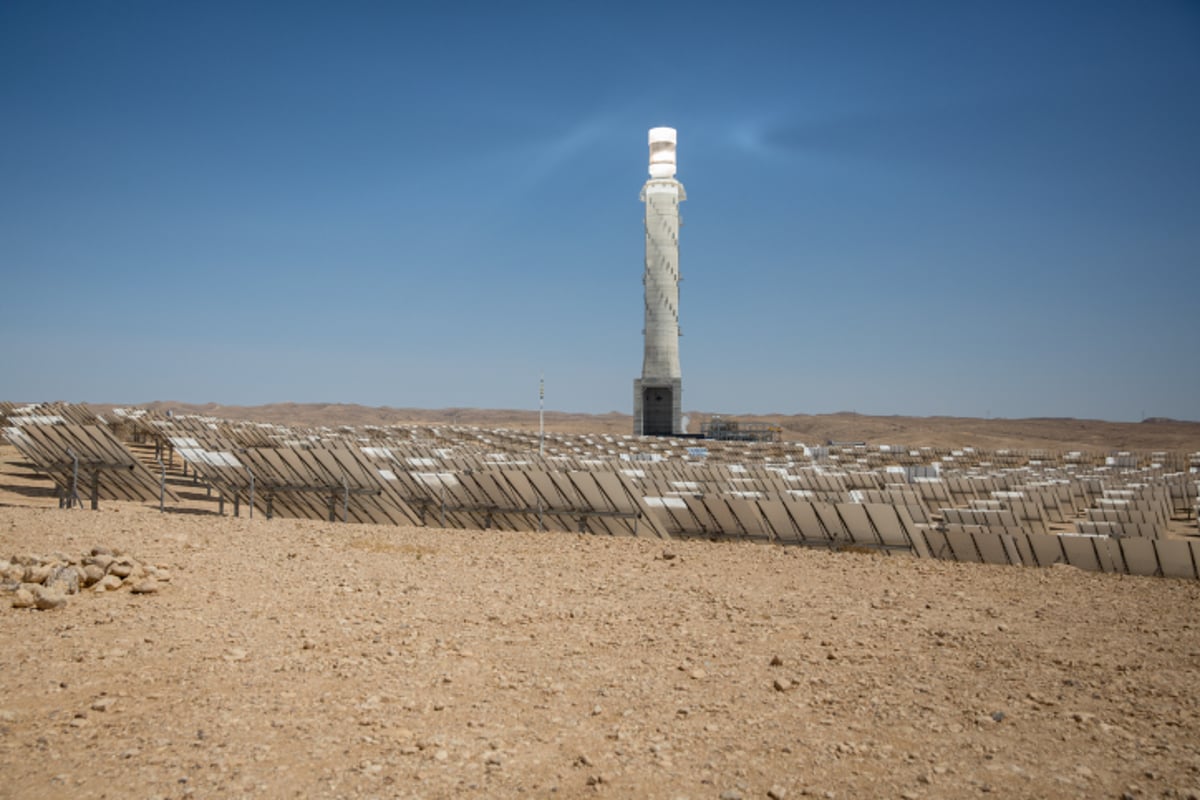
[658, 407]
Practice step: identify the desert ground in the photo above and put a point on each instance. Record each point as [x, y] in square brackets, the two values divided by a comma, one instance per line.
[286, 658]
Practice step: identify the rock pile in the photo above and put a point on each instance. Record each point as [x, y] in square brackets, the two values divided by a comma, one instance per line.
[45, 582]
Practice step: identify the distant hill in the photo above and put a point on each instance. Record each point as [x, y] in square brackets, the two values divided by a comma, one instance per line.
[1097, 436]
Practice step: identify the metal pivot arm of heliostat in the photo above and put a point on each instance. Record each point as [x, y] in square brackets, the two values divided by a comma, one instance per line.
[162, 484]
[72, 499]
[250, 472]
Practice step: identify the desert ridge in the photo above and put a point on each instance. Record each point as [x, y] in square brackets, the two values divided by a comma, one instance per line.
[1051, 434]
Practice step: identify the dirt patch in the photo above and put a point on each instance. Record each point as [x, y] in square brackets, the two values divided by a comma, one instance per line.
[293, 658]
[383, 544]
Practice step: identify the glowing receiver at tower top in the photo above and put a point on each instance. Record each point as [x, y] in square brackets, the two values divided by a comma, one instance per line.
[657, 400]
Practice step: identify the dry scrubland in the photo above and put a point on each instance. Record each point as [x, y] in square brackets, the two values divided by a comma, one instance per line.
[288, 658]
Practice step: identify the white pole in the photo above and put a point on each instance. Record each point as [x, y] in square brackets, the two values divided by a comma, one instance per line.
[542, 415]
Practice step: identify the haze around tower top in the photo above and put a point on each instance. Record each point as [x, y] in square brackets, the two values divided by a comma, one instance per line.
[926, 209]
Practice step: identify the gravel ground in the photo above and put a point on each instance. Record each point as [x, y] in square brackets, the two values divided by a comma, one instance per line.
[303, 659]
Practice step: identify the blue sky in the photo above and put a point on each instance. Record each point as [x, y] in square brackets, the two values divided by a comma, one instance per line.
[894, 208]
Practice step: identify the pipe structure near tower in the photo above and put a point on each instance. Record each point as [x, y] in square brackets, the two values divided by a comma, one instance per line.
[658, 394]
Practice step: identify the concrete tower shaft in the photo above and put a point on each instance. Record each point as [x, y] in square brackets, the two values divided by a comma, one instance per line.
[661, 278]
[658, 394]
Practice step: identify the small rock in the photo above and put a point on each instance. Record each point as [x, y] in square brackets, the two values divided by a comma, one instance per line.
[107, 584]
[92, 574]
[37, 573]
[100, 560]
[998, 716]
[782, 684]
[122, 569]
[667, 555]
[698, 674]
[776, 661]
[64, 580]
[777, 793]
[731, 794]
[23, 598]
[103, 703]
[48, 599]
[492, 759]
[145, 586]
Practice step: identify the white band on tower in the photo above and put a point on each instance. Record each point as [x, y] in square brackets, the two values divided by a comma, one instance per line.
[662, 152]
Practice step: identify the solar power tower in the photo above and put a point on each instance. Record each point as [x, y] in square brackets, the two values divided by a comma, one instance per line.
[658, 394]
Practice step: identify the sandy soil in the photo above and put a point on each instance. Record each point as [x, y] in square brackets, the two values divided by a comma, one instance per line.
[303, 659]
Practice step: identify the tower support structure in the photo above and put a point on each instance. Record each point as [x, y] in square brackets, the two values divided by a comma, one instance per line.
[658, 394]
